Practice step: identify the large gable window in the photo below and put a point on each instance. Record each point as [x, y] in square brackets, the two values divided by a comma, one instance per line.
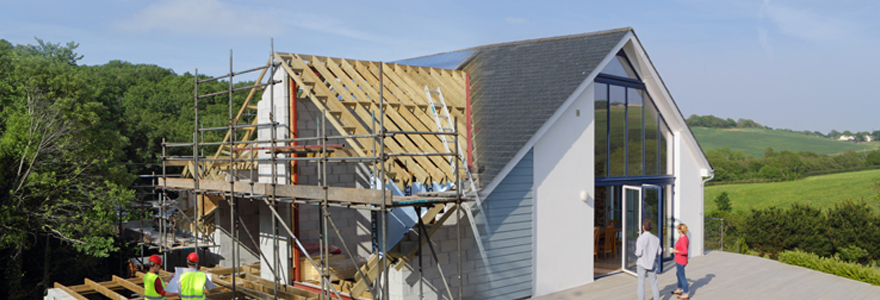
[631, 135]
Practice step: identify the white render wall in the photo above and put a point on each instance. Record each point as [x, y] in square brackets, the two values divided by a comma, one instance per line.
[689, 195]
[563, 169]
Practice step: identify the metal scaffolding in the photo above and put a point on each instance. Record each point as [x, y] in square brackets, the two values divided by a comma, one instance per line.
[242, 157]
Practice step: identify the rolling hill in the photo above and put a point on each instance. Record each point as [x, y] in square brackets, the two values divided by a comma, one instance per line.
[753, 141]
[822, 191]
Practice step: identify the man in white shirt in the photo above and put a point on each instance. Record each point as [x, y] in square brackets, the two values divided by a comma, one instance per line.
[647, 250]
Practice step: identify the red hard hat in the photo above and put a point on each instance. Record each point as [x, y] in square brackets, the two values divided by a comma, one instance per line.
[193, 257]
[156, 259]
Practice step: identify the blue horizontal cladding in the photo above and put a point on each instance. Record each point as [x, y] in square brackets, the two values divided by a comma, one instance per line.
[504, 278]
[507, 211]
[505, 222]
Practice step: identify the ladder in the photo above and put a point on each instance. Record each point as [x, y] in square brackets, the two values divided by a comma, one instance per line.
[449, 127]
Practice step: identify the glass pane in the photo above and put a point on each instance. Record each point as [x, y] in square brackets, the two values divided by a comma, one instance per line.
[652, 166]
[665, 151]
[651, 210]
[620, 66]
[600, 119]
[631, 228]
[669, 227]
[617, 129]
[634, 128]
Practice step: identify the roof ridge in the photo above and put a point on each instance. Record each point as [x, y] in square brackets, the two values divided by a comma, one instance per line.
[561, 37]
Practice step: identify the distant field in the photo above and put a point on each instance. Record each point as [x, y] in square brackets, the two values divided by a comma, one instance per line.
[754, 140]
[823, 191]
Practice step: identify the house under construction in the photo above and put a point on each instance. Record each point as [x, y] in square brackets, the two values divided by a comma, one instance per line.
[472, 174]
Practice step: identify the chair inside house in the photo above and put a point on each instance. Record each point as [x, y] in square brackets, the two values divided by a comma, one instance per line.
[608, 242]
[606, 246]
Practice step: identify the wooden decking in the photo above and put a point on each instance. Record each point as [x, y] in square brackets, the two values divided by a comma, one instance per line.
[724, 275]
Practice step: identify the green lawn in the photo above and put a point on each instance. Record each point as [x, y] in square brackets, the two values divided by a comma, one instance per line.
[822, 191]
[754, 140]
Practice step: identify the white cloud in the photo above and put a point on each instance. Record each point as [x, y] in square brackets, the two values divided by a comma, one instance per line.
[805, 24]
[202, 17]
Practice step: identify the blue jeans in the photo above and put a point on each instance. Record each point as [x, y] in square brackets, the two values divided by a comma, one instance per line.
[682, 280]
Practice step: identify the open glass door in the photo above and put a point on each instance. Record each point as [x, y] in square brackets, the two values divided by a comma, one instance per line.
[640, 203]
[652, 208]
[632, 212]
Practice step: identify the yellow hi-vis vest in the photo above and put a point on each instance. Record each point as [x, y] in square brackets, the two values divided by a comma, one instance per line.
[150, 287]
[192, 285]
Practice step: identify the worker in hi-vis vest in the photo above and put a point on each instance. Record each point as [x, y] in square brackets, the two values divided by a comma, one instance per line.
[154, 287]
[192, 282]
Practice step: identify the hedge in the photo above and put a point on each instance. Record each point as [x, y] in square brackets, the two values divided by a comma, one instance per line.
[831, 265]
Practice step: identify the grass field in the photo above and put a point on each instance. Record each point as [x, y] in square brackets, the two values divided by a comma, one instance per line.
[822, 191]
[753, 141]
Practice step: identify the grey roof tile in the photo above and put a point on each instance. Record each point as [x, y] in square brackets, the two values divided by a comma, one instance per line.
[516, 87]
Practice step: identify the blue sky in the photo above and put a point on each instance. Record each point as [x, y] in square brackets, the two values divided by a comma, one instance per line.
[803, 65]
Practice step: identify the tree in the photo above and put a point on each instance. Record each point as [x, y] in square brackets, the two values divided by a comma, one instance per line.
[54, 52]
[873, 159]
[58, 179]
[722, 202]
[833, 134]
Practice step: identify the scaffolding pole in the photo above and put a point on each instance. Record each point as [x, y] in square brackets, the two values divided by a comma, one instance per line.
[380, 288]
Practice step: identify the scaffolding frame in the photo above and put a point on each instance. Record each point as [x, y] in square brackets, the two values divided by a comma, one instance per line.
[242, 156]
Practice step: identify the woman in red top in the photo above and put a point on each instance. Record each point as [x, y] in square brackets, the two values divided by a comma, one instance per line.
[681, 260]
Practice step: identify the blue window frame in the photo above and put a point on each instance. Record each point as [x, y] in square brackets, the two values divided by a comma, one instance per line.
[632, 141]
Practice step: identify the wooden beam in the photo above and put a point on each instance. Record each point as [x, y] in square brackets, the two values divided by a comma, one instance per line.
[393, 116]
[309, 90]
[241, 289]
[70, 292]
[412, 163]
[414, 118]
[104, 290]
[352, 195]
[131, 286]
[283, 289]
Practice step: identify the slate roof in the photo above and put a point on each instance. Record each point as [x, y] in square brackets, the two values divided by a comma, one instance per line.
[516, 87]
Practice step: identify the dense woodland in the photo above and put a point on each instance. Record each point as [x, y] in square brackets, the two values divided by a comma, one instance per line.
[72, 140]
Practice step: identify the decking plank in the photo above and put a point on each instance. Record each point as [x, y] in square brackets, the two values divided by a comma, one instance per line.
[724, 275]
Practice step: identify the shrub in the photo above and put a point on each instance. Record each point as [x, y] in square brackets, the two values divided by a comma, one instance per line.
[723, 202]
[775, 229]
[832, 265]
[854, 224]
[852, 254]
[873, 159]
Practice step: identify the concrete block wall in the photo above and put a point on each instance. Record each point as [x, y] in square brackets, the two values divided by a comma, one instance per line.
[249, 212]
[353, 224]
[404, 284]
